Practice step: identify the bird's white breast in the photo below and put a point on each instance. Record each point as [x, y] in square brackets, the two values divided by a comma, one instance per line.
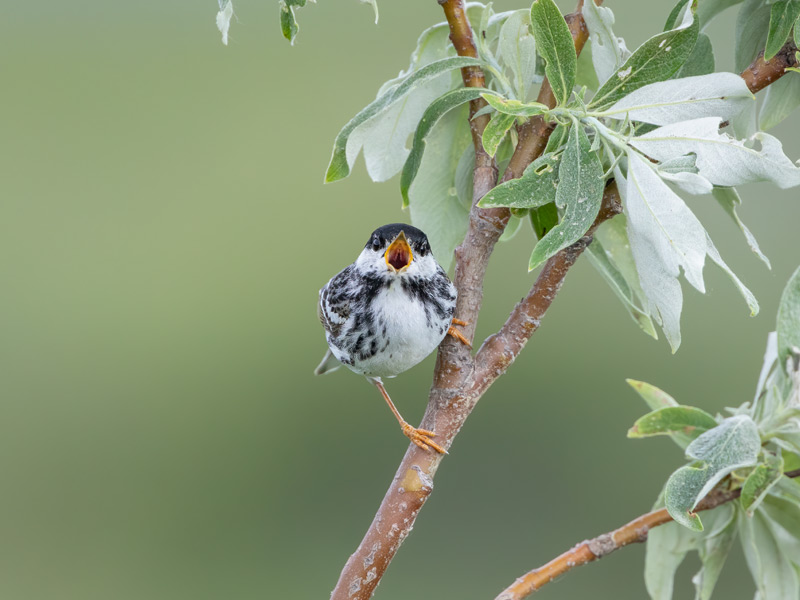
[410, 333]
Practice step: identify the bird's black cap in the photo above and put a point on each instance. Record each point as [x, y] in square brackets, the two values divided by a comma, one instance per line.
[415, 237]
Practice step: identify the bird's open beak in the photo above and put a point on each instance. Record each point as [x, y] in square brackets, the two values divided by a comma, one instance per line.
[398, 255]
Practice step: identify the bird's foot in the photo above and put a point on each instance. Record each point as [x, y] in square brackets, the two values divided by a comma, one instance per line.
[421, 437]
[457, 334]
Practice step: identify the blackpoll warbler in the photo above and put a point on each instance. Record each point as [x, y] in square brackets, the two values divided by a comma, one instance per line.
[387, 311]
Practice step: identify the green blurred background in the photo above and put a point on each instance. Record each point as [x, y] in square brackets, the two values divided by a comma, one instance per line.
[163, 234]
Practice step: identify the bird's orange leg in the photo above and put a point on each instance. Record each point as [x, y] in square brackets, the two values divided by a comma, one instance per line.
[457, 334]
[421, 437]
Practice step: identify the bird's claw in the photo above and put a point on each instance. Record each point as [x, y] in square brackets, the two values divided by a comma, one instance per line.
[422, 438]
[457, 334]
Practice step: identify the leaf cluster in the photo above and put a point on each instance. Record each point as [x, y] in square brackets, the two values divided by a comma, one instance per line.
[747, 453]
[650, 119]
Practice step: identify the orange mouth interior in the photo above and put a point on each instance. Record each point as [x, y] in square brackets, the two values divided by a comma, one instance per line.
[398, 254]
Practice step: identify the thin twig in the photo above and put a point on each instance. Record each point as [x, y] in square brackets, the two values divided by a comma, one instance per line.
[590, 550]
[455, 390]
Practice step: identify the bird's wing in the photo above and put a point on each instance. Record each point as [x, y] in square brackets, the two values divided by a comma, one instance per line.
[334, 303]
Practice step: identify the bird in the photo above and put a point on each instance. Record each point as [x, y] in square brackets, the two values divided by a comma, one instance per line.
[387, 311]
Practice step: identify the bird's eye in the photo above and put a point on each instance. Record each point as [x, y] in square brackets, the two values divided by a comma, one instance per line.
[376, 242]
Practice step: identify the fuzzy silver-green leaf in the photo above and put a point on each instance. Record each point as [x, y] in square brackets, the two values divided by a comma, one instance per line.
[579, 194]
[733, 444]
[555, 45]
[658, 59]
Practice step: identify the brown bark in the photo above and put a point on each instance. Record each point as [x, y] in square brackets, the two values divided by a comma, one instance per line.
[590, 550]
[761, 73]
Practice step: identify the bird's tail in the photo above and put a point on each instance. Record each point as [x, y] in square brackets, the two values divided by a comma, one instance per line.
[329, 363]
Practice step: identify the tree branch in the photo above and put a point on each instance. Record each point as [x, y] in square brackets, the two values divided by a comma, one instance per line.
[455, 390]
[761, 73]
[448, 409]
[590, 550]
[485, 225]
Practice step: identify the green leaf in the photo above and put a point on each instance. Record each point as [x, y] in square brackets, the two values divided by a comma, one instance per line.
[670, 419]
[224, 19]
[773, 573]
[797, 36]
[514, 107]
[714, 549]
[557, 139]
[784, 509]
[729, 199]
[701, 60]
[674, 14]
[788, 327]
[495, 131]
[374, 5]
[535, 188]
[554, 44]
[608, 51]
[544, 219]
[579, 194]
[768, 371]
[752, 25]
[289, 26]
[708, 9]
[721, 159]
[665, 235]
[512, 229]
[748, 296]
[433, 113]
[433, 44]
[759, 482]
[653, 396]
[783, 518]
[722, 95]
[679, 164]
[610, 253]
[731, 445]
[486, 25]
[464, 176]
[343, 157]
[600, 257]
[658, 59]
[782, 17]
[585, 75]
[667, 546]
[435, 206]
[781, 98]
[791, 459]
[787, 489]
[518, 51]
